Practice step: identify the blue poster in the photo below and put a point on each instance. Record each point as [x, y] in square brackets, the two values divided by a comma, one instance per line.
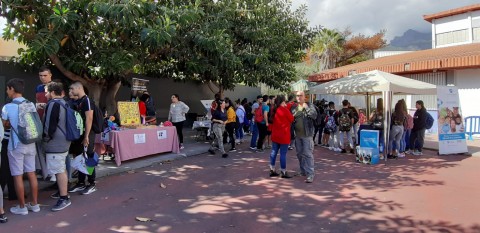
[369, 139]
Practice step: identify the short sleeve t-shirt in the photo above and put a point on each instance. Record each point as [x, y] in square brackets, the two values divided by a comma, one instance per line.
[265, 108]
[219, 115]
[10, 113]
[40, 98]
[84, 105]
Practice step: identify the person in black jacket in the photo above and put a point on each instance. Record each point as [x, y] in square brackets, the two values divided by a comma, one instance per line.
[418, 132]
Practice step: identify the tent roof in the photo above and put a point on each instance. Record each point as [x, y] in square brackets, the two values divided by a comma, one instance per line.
[302, 85]
[374, 82]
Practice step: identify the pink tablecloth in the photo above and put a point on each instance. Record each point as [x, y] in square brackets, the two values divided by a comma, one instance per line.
[136, 143]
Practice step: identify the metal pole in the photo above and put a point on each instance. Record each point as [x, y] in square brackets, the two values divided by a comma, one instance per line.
[387, 114]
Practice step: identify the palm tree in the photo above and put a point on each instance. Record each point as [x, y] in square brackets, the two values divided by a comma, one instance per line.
[326, 48]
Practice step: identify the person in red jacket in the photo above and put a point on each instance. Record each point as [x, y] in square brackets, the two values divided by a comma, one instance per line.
[282, 120]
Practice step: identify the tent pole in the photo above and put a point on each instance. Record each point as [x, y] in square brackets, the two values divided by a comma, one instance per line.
[387, 114]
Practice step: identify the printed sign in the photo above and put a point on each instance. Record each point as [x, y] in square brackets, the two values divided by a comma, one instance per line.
[162, 134]
[105, 136]
[129, 113]
[451, 131]
[370, 139]
[139, 138]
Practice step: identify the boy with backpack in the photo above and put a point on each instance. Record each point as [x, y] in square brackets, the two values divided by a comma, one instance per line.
[330, 124]
[93, 121]
[356, 119]
[22, 117]
[56, 143]
[345, 123]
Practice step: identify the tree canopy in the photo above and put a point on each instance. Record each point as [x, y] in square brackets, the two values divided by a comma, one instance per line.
[100, 43]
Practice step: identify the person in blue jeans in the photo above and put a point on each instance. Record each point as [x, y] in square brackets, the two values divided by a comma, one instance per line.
[253, 142]
[281, 120]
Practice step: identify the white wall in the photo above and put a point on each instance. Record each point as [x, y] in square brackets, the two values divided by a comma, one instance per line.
[452, 23]
[468, 83]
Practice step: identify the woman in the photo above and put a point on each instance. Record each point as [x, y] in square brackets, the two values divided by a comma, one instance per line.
[396, 132]
[219, 120]
[282, 120]
[376, 118]
[142, 107]
[407, 128]
[176, 115]
[418, 131]
[231, 123]
[241, 118]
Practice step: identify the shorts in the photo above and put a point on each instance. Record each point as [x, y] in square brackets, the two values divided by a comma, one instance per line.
[56, 163]
[22, 159]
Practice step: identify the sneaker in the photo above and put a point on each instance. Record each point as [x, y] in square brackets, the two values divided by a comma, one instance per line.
[259, 150]
[253, 147]
[268, 147]
[233, 150]
[3, 218]
[352, 151]
[337, 149]
[417, 153]
[182, 147]
[286, 175]
[61, 204]
[290, 148]
[211, 151]
[20, 211]
[401, 155]
[89, 189]
[273, 173]
[343, 151]
[309, 179]
[33, 208]
[408, 152]
[225, 155]
[77, 188]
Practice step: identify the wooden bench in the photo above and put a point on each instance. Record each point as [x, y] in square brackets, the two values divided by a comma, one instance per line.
[472, 126]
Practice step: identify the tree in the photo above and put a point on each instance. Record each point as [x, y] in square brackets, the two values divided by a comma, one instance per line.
[241, 41]
[332, 48]
[327, 47]
[98, 43]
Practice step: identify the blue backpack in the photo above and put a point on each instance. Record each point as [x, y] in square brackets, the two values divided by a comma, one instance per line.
[73, 123]
[429, 121]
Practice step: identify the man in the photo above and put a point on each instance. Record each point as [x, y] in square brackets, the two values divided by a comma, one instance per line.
[85, 106]
[304, 115]
[419, 126]
[253, 141]
[45, 76]
[21, 156]
[55, 143]
[262, 125]
[345, 122]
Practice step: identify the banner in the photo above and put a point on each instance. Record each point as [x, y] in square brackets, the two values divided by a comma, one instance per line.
[129, 113]
[369, 143]
[139, 86]
[451, 131]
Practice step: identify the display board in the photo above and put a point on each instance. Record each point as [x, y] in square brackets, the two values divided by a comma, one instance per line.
[129, 113]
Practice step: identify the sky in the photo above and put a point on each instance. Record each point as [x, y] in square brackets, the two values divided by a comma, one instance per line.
[371, 16]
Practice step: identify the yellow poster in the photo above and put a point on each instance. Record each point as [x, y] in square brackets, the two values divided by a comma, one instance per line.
[129, 113]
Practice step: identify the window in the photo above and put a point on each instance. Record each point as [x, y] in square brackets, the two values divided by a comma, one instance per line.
[476, 34]
[452, 37]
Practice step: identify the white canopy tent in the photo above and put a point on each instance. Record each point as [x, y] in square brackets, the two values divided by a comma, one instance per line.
[373, 83]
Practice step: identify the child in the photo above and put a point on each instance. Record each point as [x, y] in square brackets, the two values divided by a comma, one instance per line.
[361, 117]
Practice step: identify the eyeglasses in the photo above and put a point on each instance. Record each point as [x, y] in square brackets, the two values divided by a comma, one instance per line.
[299, 95]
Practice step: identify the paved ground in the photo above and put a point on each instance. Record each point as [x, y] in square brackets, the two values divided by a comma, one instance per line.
[206, 193]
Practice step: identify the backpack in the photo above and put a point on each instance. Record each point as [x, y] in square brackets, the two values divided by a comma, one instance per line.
[320, 121]
[29, 128]
[259, 114]
[409, 122]
[246, 120]
[429, 121]
[98, 123]
[378, 122]
[344, 121]
[330, 124]
[356, 117]
[73, 123]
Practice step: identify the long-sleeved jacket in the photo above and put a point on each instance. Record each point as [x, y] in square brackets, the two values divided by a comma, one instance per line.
[281, 126]
[54, 122]
[309, 114]
[419, 119]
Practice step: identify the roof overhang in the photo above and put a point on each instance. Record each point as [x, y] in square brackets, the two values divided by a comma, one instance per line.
[451, 12]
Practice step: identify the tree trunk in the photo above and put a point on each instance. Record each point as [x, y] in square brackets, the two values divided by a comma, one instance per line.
[109, 101]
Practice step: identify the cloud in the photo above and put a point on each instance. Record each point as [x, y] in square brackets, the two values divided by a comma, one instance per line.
[371, 16]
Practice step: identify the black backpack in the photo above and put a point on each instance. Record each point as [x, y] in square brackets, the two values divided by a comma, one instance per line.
[98, 124]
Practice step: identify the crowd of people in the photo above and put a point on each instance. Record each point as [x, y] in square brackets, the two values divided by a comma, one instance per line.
[35, 138]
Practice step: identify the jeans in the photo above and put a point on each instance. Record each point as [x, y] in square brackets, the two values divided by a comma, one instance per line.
[416, 139]
[230, 128]
[304, 147]
[408, 133]
[179, 126]
[318, 132]
[253, 142]
[218, 130]
[396, 134]
[355, 133]
[349, 138]
[262, 133]
[239, 131]
[283, 155]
